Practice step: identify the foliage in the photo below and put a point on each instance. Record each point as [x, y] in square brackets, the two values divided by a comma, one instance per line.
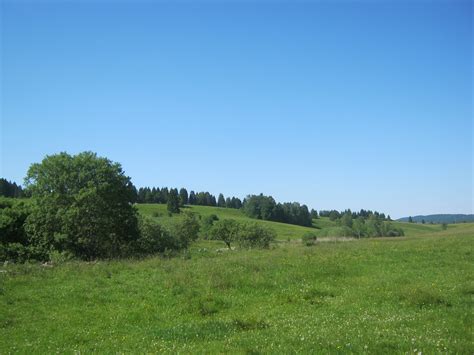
[10, 189]
[265, 207]
[173, 201]
[254, 235]
[221, 201]
[186, 230]
[183, 197]
[81, 204]
[226, 230]
[246, 235]
[207, 223]
[15, 244]
[154, 238]
[309, 239]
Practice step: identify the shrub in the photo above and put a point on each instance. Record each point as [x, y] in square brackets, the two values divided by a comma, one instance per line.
[207, 223]
[309, 239]
[388, 230]
[187, 229]
[254, 235]
[226, 230]
[15, 244]
[246, 235]
[154, 238]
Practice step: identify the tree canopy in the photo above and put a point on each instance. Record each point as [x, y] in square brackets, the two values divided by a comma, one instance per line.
[81, 204]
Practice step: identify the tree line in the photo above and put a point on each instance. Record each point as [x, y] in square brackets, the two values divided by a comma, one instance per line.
[335, 215]
[364, 224]
[266, 208]
[10, 189]
[204, 198]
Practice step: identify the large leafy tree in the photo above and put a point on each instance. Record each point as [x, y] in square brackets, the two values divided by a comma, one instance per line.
[81, 204]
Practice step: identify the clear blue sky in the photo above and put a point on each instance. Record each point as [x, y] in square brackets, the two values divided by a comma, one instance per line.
[337, 105]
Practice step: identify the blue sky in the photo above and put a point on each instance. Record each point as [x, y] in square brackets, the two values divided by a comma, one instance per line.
[334, 104]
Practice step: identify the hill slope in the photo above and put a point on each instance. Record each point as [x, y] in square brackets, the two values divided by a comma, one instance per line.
[284, 231]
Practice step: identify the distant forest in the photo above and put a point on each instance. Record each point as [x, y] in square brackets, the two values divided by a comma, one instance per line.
[157, 195]
[439, 218]
[10, 189]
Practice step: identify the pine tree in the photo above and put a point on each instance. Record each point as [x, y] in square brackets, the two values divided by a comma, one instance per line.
[183, 196]
[173, 201]
[221, 201]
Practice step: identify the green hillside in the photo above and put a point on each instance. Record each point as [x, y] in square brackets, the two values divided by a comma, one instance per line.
[284, 231]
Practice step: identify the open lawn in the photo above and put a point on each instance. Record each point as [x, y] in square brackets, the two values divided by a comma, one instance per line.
[379, 295]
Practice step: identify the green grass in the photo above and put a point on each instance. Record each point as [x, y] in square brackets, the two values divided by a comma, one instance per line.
[384, 295]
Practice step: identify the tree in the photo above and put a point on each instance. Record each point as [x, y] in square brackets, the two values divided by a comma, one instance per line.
[255, 235]
[206, 225]
[359, 226]
[192, 198]
[14, 242]
[346, 219]
[10, 189]
[226, 230]
[423, 221]
[173, 201]
[410, 220]
[183, 197]
[444, 226]
[81, 204]
[221, 201]
[187, 229]
[333, 215]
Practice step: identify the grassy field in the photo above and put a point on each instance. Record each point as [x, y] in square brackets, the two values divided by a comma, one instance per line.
[381, 295]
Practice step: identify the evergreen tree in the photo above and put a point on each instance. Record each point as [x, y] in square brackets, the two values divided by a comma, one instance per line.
[173, 201]
[183, 196]
[192, 198]
[221, 202]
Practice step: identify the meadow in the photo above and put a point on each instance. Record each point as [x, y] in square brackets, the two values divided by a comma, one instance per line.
[405, 294]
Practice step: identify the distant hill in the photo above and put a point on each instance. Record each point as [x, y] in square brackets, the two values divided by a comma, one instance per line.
[441, 218]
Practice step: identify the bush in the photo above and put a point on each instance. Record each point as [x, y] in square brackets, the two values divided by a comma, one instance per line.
[254, 235]
[226, 230]
[248, 235]
[15, 244]
[154, 238]
[309, 239]
[388, 230]
[206, 225]
[187, 229]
